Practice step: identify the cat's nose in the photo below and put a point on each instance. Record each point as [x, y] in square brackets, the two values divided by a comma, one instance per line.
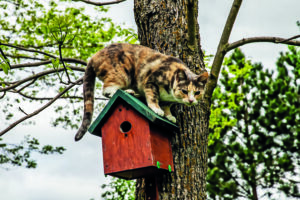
[191, 100]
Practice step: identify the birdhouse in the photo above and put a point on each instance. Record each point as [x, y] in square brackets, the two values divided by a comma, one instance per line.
[135, 141]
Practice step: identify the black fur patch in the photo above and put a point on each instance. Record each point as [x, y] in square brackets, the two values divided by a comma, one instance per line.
[90, 96]
[172, 59]
[147, 74]
[154, 58]
[126, 71]
[154, 88]
[160, 72]
[154, 99]
[164, 68]
[132, 76]
[113, 51]
[121, 57]
[182, 84]
[196, 83]
[167, 88]
[157, 73]
[103, 73]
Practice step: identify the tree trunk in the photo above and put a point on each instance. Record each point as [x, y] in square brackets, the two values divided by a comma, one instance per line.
[171, 27]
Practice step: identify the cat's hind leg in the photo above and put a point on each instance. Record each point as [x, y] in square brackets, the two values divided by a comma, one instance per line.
[152, 95]
[113, 82]
[109, 91]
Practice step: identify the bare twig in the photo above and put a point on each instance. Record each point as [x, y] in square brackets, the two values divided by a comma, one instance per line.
[71, 60]
[26, 49]
[276, 40]
[25, 57]
[101, 3]
[49, 98]
[40, 109]
[219, 57]
[63, 63]
[291, 38]
[3, 95]
[36, 76]
[22, 111]
[27, 85]
[36, 64]
[12, 3]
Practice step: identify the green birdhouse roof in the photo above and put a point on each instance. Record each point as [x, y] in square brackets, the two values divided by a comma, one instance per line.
[139, 106]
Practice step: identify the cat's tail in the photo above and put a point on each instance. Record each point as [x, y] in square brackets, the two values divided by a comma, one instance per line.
[88, 95]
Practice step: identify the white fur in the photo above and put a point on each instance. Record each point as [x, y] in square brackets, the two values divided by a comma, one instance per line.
[171, 118]
[158, 111]
[192, 97]
[110, 91]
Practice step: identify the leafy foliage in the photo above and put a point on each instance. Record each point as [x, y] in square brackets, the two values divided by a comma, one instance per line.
[20, 155]
[119, 189]
[4, 64]
[33, 36]
[256, 122]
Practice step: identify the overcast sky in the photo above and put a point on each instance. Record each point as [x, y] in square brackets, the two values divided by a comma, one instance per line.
[78, 173]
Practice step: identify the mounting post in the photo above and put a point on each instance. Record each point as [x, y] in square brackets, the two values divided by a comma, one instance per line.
[151, 192]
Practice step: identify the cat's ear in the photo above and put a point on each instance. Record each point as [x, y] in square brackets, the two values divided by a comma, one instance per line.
[180, 75]
[203, 77]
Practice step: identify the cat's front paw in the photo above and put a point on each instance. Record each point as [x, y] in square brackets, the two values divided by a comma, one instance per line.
[158, 111]
[171, 118]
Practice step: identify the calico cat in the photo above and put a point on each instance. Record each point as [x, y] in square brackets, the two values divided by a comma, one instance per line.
[140, 71]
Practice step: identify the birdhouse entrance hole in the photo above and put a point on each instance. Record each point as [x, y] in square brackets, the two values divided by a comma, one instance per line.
[125, 127]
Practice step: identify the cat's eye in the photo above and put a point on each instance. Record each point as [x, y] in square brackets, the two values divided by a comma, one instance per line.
[197, 93]
[184, 91]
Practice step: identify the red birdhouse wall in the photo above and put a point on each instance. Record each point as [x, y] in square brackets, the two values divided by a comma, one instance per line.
[133, 147]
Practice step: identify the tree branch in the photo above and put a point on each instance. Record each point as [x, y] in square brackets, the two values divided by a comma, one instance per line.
[29, 50]
[71, 60]
[49, 98]
[25, 57]
[101, 4]
[220, 54]
[36, 64]
[63, 63]
[40, 109]
[25, 86]
[276, 40]
[36, 76]
[15, 4]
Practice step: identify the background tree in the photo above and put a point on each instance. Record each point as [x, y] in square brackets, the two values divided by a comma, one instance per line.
[65, 41]
[32, 71]
[21, 154]
[119, 189]
[256, 115]
[47, 52]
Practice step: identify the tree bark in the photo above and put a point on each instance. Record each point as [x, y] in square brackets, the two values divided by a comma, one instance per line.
[171, 27]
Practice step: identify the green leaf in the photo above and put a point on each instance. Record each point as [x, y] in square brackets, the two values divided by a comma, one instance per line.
[4, 64]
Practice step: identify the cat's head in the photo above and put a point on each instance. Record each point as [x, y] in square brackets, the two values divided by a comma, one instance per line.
[188, 87]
